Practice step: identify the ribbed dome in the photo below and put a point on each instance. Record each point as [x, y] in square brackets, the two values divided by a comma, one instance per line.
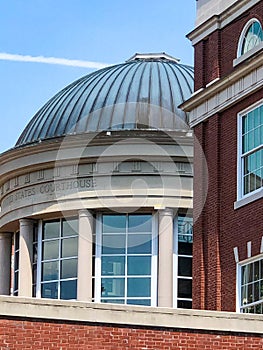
[141, 93]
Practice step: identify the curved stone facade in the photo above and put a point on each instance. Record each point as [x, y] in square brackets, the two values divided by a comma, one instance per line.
[101, 216]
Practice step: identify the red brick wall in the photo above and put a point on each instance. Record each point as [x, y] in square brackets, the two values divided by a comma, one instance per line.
[214, 56]
[220, 228]
[33, 334]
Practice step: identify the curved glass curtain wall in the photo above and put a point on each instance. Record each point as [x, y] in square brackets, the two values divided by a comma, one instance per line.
[126, 254]
[55, 260]
[125, 259]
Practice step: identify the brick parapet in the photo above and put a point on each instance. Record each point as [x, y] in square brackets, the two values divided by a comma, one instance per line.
[27, 323]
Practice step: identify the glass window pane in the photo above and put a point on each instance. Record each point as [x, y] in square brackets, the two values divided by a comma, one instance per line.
[35, 233]
[113, 265]
[69, 268]
[244, 273]
[113, 244]
[17, 241]
[50, 250]
[184, 304]
[114, 223]
[49, 290]
[185, 248]
[250, 272]
[112, 287]
[34, 270]
[70, 227]
[113, 301]
[16, 280]
[69, 247]
[50, 271]
[51, 229]
[140, 223]
[184, 288]
[261, 290]
[243, 295]
[256, 271]
[16, 260]
[139, 265]
[139, 244]
[185, 226]
[185, 266]
[145, 302]
[68, 290]
[250, 293]
[34, 253]
[34, 290]
[139, 287]
[256, 291]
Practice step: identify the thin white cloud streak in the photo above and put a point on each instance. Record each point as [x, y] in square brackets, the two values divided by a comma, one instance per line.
[52, 60]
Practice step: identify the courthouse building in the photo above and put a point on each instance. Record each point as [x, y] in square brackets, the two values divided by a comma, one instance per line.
[97, 191]
[97, 198]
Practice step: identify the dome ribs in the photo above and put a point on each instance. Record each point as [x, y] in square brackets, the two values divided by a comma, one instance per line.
[115, 97]
[84, 108]
[92, 122]
[141, 93]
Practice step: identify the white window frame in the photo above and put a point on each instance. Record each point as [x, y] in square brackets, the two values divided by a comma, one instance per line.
[40, 257]
[242, 37]
[15, 287]
[154, 260]
[239, 306]
[242, 57]
[176, 256]
[242, 198]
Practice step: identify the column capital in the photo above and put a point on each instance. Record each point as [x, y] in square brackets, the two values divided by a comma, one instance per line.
[4, 235]
[85, 213]
[25, 222]
[166, 212]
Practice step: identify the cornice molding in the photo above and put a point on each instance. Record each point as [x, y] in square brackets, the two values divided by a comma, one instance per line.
[225, 92]
[221, 20]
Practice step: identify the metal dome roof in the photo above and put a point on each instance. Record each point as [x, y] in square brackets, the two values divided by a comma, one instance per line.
[142, 93]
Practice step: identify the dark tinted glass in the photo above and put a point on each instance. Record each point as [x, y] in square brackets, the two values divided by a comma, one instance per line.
[68, 290]
[184, 288]
[49, 290]
[51, 229]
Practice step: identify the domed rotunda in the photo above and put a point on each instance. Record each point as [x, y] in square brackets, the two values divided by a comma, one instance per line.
[96, 195]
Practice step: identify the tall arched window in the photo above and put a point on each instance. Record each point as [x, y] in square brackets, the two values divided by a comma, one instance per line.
[251, 36]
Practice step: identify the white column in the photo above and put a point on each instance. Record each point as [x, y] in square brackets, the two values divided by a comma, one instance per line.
[85, 256]
[25, 276]
[5, 263]
[165, 275]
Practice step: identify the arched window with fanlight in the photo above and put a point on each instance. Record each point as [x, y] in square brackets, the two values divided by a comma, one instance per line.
[251, 36]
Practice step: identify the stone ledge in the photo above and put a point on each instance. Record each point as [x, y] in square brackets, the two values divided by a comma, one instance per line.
[129, 315]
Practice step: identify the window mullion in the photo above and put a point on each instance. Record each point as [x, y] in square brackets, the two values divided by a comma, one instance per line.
[126, 262]
[98, 248]
[175, 262]
[59, 257]
[39, 258]
[154, 260]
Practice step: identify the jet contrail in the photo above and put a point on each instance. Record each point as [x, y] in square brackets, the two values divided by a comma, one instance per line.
[52, 60]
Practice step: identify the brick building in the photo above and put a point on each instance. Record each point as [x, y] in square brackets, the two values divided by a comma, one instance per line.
[227, 118]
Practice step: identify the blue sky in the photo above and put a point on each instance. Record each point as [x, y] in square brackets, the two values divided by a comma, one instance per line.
[105, 31]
